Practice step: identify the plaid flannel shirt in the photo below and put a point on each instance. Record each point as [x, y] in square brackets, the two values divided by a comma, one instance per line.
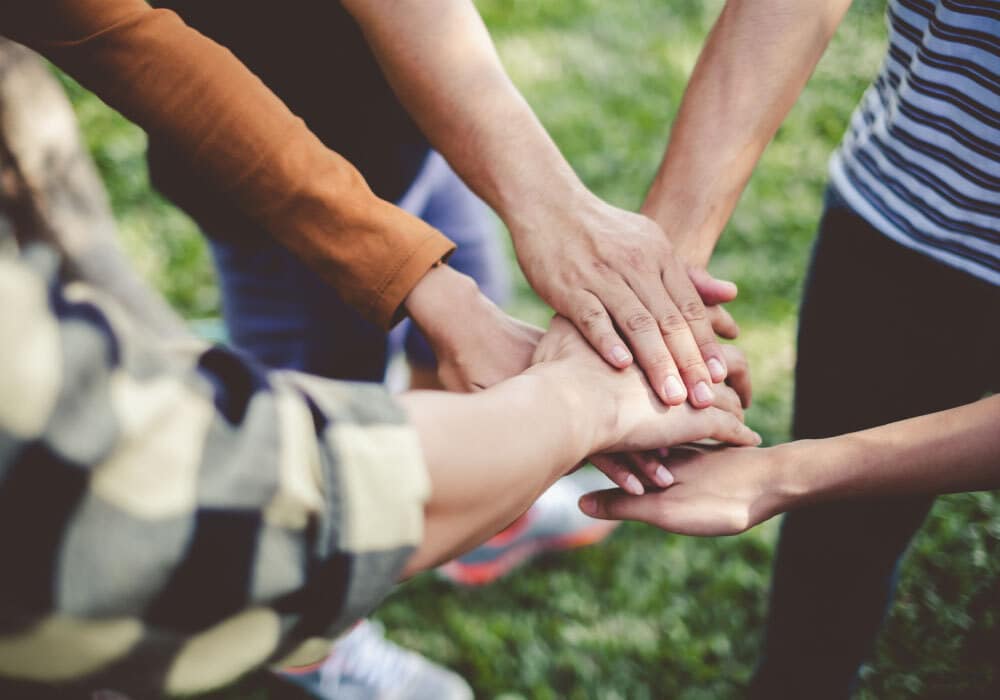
[172, 517]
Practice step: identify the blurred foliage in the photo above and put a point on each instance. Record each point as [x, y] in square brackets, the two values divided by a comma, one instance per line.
[647, 615]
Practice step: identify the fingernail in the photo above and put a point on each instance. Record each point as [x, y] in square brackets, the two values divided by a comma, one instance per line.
[620, 354]
[588, 504]
[663, 476]
[759, 438]
[674, 389]
[716, 369]
[703, 393]
[633, 485]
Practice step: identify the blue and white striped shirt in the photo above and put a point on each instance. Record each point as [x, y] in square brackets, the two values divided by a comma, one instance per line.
[921, 158]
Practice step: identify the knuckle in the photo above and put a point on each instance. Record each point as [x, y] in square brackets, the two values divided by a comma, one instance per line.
[672, 323]
[693, 310]
[592, 318]
[690, 363]
[640, 321]
[635, 258]
[601, 267]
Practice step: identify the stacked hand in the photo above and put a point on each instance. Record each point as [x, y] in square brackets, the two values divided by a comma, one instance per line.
[715, 491]
[624, 413]
[615, 275]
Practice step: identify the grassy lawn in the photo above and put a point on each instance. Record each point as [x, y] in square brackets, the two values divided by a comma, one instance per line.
[647, 615]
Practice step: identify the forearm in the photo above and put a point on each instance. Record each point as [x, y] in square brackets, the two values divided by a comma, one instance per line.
[442, 64]
[195, 95]
[757, 59]
[950, 451]
[489, 456]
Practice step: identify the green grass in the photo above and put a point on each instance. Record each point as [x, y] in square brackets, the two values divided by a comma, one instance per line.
[647, 615]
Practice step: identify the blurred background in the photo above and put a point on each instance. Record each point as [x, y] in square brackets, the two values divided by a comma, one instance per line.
[645, 614]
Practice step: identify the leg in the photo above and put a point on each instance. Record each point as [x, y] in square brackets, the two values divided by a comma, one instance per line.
[880, 339]
[280, 312]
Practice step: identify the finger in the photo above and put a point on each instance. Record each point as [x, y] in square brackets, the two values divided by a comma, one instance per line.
[723, 323]
[592, 320]
[704, 361]
[739, 374]
[613, 504]
[711, 290]
[620, 473]
[643, 333]
[727, 399]
[725, 427]
[652, 468]
[669, 511]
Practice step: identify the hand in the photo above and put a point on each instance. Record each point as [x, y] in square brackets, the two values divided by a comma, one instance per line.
[715, 492]
[634, 472]
[476, 344]
[625, 415]
[611, 271]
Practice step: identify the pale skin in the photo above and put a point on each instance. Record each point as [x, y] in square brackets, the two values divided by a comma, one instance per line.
[727, 491]
[755, 62]
[492, 453]
[615, 269]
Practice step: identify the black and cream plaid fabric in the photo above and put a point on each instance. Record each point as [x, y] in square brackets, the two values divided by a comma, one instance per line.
[171, 517]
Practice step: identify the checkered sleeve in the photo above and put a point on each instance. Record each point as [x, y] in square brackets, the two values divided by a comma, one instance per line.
[172, 517]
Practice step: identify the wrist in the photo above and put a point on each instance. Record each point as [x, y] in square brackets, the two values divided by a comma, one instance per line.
[548, 208]
[441, 299]
[587, 432]
[800, 475]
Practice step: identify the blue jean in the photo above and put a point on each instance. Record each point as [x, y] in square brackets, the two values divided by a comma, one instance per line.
[885, 333]
[281, 312]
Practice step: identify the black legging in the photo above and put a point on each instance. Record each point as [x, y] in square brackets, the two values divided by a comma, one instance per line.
[885, 333]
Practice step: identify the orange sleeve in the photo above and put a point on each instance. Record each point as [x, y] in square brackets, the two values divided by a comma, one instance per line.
[194, 94]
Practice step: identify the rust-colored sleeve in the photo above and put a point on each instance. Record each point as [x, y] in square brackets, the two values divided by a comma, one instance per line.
[193, 93]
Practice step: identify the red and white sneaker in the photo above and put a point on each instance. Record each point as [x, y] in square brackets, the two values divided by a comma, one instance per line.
[553, 523]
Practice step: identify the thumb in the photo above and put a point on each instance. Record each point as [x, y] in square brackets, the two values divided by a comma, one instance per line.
[713, 291]
[615, 504]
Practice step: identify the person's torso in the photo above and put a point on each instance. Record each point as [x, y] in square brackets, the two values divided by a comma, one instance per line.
[313, 56]
[921, 158]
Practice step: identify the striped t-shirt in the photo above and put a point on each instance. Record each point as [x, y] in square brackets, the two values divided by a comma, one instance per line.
[921, 158]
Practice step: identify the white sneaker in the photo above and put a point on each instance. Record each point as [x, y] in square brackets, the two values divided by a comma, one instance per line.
[364, 665]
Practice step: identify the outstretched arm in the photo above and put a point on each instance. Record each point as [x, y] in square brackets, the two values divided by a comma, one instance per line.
[730, 490]
[595, 264]
[757, 59]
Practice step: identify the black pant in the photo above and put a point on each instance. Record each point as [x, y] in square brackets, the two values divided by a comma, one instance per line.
[885, 333]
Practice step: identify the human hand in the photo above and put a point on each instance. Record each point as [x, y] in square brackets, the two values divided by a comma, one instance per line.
[715, 491]
[634, 472]
[625, 415]
[613, 267]
[476, 344]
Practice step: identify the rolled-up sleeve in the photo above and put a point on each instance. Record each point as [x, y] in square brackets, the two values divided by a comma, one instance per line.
[172, 517]
[195, 95]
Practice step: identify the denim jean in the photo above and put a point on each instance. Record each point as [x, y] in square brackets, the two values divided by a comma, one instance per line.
[885, 333]
[278, 310]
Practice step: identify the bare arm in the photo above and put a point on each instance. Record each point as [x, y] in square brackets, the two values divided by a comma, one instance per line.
[592, 262]
[757, 59]
[730, 490]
